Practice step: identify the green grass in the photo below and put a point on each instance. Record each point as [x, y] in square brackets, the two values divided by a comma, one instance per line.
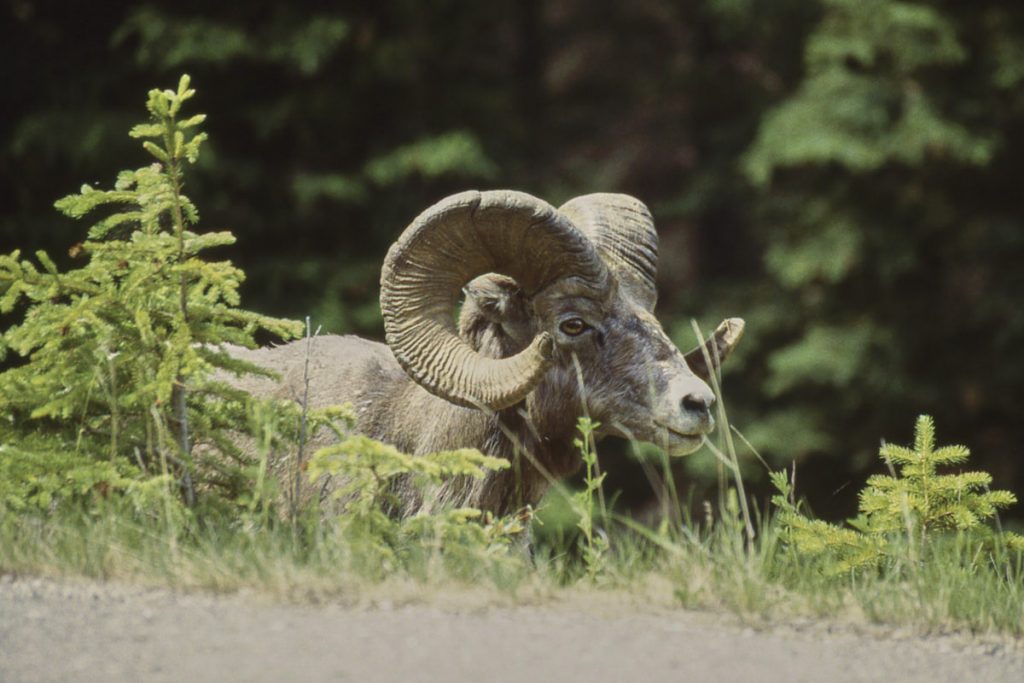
[709, 566]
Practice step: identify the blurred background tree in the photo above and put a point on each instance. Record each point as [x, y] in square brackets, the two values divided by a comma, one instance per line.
[841, 173]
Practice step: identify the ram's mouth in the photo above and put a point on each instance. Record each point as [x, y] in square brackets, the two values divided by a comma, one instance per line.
[676, 442]
[672, 441]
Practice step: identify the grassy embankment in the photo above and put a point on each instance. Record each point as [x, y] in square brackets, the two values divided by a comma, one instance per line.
[956, 582]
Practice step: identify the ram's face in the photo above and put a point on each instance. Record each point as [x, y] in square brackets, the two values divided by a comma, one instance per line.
[630, 376]
[612, 359]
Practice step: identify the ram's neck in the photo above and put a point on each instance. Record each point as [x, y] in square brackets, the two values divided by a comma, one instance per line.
[536, 436]
[552, 411]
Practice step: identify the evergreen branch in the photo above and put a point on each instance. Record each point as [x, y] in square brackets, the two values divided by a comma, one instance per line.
[924, 436]
[145, 291]
[898, 455]
[951, 455]
[919, 502]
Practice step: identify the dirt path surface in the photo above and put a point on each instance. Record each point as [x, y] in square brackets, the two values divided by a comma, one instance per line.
[81, 632]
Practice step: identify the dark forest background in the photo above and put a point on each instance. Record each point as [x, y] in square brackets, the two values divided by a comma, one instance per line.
[844, 174]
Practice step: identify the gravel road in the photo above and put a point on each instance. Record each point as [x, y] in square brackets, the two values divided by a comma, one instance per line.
[82, 632]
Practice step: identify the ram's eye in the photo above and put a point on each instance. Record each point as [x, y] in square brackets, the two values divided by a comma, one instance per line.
[573, 327]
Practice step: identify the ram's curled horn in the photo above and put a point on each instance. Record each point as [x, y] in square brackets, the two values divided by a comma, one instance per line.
[622, 229]
[448, 245]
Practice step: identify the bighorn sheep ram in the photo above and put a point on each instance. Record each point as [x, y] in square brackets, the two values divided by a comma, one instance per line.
[557, 319]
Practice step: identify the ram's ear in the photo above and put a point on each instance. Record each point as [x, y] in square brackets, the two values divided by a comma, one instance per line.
[716, 348]
[497, 297]
[496, 316]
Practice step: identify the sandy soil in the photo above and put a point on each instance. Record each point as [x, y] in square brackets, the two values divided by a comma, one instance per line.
[84, 631]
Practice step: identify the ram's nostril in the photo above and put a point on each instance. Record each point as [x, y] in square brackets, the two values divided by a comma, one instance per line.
[698, 403]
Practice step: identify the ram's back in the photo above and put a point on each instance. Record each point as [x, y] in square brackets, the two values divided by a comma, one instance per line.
[346, 369]
[339, 369]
